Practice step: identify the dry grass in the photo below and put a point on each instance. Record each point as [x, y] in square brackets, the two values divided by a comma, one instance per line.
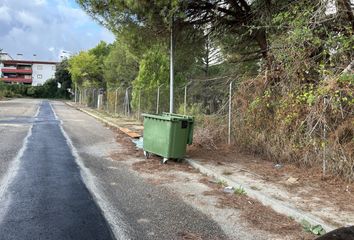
[333, 188]
[209, 133]
[286, 122]
[153, 165]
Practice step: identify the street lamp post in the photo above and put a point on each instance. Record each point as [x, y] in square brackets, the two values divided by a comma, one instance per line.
[171, 65]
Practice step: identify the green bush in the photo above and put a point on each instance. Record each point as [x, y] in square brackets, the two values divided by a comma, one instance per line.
[48, 90]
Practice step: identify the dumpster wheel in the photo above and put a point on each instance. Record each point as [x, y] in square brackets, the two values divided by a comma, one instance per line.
[147, 154]
[164, 160]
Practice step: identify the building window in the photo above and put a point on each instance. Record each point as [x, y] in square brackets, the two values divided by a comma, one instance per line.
[39, 76]
[39, 67]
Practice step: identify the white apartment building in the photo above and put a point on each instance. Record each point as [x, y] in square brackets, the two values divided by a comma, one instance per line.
[42, 71]
[25, 71]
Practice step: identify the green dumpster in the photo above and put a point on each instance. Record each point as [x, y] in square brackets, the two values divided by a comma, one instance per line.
[167, 135]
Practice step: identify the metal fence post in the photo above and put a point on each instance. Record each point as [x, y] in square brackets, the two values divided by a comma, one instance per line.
[139, 104]
[116, 101]
[99, 99]
[324, 163]
[75, 93]
[230, 112]
[127, 102]
[84, 97]
[185, 100]
[80, 96]
[158, 99]
[93, 98]
[107, 101]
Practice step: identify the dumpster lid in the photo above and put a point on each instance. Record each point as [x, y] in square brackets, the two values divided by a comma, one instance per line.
[168, 117]
[179, 116]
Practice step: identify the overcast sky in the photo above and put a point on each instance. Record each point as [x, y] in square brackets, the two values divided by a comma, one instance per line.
[46, 28]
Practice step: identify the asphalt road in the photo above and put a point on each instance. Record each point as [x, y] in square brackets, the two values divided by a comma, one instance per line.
[58, 182]
[47, 199]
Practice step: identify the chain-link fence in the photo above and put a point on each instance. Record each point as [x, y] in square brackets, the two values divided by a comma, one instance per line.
[208, 100]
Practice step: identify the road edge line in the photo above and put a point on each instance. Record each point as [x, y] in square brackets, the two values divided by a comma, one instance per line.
[88, 178]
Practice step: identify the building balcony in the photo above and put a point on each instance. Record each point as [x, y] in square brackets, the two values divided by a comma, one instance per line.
[17, 80]
[14, 70]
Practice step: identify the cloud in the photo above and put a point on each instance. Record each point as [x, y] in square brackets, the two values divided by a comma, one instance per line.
[5, 16]
[28, 19]
[46, 27]
[40, 2]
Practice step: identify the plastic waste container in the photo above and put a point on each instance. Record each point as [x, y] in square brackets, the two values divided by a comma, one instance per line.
[167, 135]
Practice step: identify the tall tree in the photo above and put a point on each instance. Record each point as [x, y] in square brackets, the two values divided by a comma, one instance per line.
[153, 72]
[62, 74]
[85, 71]
[100, 51]
[120, 66]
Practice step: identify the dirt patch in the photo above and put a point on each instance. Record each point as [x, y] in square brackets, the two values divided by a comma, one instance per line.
[151, 165]
[256, 214]
[330, 189]
[252, 212]
[154, 165]
[128, 148]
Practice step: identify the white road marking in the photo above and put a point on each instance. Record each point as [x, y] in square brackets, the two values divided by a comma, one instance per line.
[112, 216]
[10, 125]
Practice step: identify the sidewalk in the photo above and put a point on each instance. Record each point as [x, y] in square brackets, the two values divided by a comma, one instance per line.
[131, 127]
[298, 194]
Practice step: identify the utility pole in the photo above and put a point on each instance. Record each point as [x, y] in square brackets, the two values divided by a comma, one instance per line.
[171, 65]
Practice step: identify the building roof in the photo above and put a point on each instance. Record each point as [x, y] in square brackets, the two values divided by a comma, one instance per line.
[5, 56]
[28, 62]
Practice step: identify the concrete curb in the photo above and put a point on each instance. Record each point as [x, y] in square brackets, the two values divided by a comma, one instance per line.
[277, 205]
[111, 124]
